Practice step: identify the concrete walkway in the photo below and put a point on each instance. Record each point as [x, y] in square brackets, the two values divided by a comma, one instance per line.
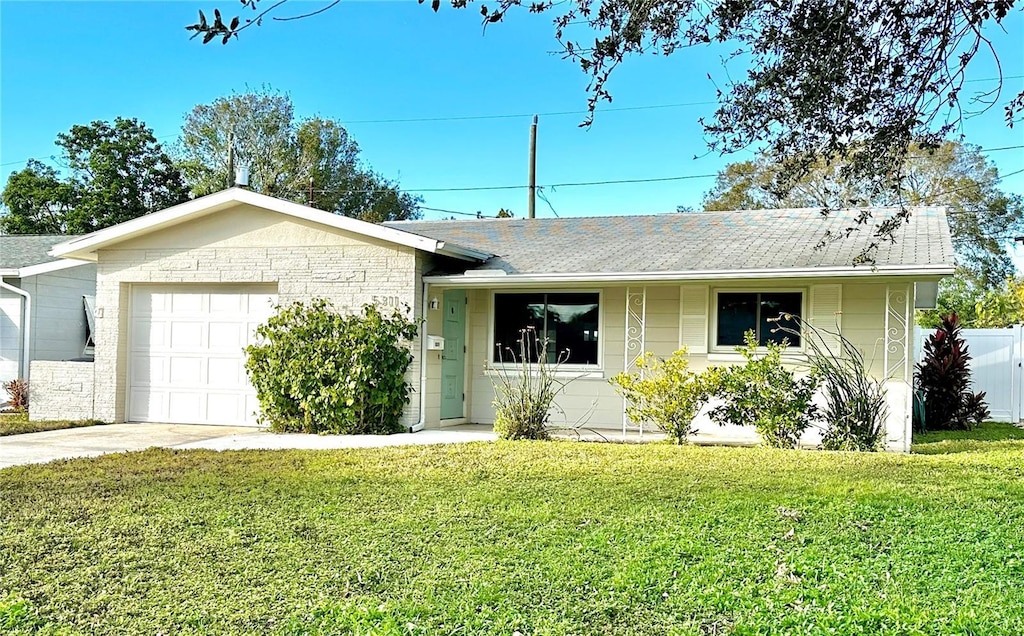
[92, 441]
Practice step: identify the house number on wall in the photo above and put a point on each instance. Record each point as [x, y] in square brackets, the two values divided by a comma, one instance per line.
[387, 301]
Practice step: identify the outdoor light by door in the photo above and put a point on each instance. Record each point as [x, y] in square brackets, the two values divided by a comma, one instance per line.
[434, 304]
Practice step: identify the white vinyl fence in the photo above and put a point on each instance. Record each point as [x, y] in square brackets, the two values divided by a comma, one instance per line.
[996, 356]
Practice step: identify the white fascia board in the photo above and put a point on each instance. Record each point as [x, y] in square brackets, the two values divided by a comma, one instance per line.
[479, 278]
[84, 247]
[463, 253]
[52, 266]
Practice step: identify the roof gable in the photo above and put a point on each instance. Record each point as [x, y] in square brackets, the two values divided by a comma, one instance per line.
[85, 247]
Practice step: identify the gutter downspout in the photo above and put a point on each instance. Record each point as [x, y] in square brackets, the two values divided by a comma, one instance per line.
[26, 327]
[424, 307]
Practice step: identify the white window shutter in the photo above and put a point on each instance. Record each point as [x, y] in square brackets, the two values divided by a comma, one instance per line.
[826, 314]
[693, 318]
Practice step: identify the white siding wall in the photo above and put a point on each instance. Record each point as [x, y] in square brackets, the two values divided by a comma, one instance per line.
[58, 318]
[10, 336]
[862, 320]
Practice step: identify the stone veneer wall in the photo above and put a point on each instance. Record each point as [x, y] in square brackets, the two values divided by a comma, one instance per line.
[61, 390]
[345, 271]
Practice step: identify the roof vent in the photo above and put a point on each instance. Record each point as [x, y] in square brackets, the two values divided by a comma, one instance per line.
[242, 176]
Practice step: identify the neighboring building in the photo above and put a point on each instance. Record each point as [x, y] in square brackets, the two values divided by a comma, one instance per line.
[179, 293]
[42, 304]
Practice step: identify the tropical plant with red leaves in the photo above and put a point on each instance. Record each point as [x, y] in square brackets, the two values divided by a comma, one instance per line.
[944, 380]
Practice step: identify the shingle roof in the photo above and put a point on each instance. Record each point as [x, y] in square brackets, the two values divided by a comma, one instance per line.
[23, 250]
[746, 240]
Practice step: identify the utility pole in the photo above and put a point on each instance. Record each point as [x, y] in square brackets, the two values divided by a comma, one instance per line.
[532, 203]
[231, 160]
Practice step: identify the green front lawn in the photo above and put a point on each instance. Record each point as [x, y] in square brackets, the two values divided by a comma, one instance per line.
[539, 538]
[18, 423]
[988, 437]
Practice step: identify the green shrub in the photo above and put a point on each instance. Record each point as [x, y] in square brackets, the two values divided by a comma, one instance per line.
[764, 394]
[318, 371]
[524, 394]
[855, 409]
[664, 392]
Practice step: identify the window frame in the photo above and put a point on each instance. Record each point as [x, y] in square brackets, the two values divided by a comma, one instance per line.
[713, 314]
[491, 364]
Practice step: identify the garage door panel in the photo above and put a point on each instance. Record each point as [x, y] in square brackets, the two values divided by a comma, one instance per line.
[185, 406]
[187, 336]
[227, 335]
[186, 371]
[184, 303]
[224, 405]
[227, 373]
[150, 335]
[144, 404]
[149, 370]
[188, 358]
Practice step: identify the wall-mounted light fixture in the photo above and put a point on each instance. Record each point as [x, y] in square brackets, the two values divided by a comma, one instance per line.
[434, 304]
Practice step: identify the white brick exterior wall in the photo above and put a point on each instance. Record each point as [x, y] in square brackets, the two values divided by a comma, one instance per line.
[61, 391]
[302, 261]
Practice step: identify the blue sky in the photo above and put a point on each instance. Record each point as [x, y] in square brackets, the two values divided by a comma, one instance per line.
[73, 62]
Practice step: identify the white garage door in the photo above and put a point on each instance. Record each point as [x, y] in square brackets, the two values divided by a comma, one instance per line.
[187, 363]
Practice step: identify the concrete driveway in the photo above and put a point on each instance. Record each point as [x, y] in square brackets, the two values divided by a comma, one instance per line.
[92, 441]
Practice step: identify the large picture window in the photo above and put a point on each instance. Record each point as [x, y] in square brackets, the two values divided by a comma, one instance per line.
[739, 312]
[568, 321]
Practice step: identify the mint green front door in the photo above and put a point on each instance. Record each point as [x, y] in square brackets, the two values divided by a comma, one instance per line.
[453, 359]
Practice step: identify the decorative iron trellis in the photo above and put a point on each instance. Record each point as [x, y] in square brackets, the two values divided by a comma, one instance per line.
[635, 344]
[898, 322]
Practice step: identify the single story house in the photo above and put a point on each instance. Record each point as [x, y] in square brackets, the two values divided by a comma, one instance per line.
[179, 293]
[43, 304]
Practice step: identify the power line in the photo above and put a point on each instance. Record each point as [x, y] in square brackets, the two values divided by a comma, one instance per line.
[517, 115]
[444, 211]
[572, 184]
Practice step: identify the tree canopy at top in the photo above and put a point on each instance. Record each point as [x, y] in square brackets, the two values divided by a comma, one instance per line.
[824, 79]
[311, 161]
[116, 172]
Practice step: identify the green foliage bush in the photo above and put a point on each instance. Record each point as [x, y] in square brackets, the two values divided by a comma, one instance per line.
[318, 371]
[525, 391]
[664, 392]
[763, 393]
[944, 379]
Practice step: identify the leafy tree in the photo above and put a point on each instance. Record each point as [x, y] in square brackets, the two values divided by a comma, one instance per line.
[312, 161]
[977, 308]
[117, 172]
[982, 218]
[822, 78]
[38, 201]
